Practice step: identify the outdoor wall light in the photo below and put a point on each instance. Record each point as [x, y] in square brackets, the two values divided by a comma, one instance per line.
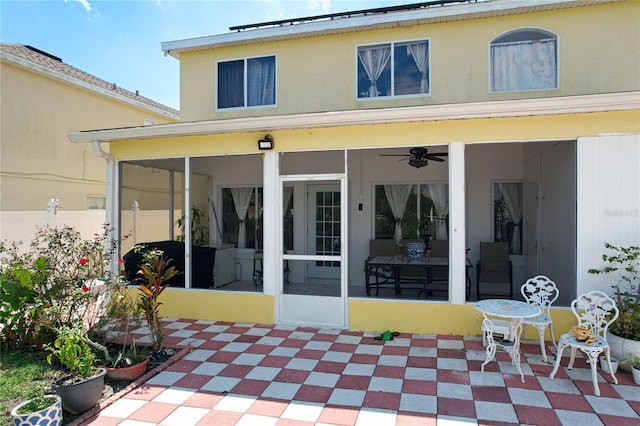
[266, 143]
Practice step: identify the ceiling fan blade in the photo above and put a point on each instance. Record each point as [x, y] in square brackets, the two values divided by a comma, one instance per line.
[432, 158]
[394, 155]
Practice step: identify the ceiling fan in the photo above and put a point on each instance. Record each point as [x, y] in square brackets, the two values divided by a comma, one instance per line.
[418, 156]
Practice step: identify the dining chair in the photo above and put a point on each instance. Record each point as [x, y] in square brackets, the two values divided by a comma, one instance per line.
[541, 292]
[379, 276]
[595, 311]
[493, 271]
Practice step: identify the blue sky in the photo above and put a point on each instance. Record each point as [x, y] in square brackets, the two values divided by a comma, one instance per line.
[119, 41]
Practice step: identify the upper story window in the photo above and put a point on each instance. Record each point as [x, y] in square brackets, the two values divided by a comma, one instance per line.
[247, 82]
[394, 69]
[524, 59]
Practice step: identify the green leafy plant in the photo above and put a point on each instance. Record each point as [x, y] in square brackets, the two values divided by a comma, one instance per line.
[59, 278]
[625, 263]
[199, 231]
[155, 273]
[71, 348]
[37, 402]
[634, 360]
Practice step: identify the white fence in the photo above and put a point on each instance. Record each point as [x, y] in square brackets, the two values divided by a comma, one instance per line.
[149, 225]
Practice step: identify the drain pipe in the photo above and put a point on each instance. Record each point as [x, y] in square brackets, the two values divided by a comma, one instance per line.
[112, 205]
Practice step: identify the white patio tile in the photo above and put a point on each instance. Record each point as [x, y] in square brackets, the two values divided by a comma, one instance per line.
[453, 390]
[353, 369]
[263, 373]
[385, 384]
[221, 384]
[165, 378]
[185, 416]
[302, 364]
[415, 373]
[372, 416]
[327, 380]
[496, 411]
[235, 403]
[611, 406]
[349, 397]
[199, 355]
[279, 390]
[336, 356]
[174, 395]
[578, 418]
[255, 420]
[122, 408]
[248, 359]
[534, 398]
[209, 368]
[418, 403]
[303, 411]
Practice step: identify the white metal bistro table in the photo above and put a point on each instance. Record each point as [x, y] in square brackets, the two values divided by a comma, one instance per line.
[516, 311]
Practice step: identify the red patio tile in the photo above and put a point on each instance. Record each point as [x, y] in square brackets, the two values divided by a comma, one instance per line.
[343, 347]
[329, 367]
[312, 393]
[383, 400]
[364, 359]
[568, 401]
[247, 338]
[214, 345]
[422, 362]
[234, 370]
[153, 412]
[456, 407]
[237, 330]
[250, 387]
[419, 387]
[452, 353]
[323, 337]
[183, 366]
[415, 419]
[490, 393]
[193, 381]
[102, 421]
[292, 376]
[453, 376]
[279, 333]
[220, 418]
[293, 343]
[610, 420]
[195, 326]
[537, 415]
[146, 392]
[339, 416]
[268, 407]
[353, 382]
[395, 350]
[259, 349]
[389, 371]
[203, 399]
[224, 357]
[274, 361]
[419, 342]
[310, 354]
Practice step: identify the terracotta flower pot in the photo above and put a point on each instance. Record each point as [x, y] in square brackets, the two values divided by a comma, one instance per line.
[50, 416]
[128, 373]
[80, 396]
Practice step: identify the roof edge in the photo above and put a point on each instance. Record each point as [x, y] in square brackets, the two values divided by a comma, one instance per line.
[624, 101]
[47, 72]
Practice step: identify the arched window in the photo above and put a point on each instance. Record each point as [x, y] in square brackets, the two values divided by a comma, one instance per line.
[524, 59]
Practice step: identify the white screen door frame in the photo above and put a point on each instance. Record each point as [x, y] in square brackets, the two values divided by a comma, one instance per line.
[314, 310]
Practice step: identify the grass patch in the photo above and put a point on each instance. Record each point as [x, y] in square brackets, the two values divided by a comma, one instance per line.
[24, 374]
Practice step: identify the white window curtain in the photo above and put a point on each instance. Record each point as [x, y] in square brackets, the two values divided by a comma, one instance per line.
[261, 81]
[512, 195]
[420, 54]
[439, 195]
[397, 197]
[524, 65]
[374, 59]
[241, 201]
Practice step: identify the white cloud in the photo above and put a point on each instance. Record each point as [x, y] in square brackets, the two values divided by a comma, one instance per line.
[325, 5]
[85, 4]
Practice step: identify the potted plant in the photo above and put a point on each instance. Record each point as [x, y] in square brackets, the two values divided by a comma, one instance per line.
[604, 365]
[39, 410]
[634, 362]
[155, 272]
[199, 231]
[82, 388]
[624, 334]
[127, 363]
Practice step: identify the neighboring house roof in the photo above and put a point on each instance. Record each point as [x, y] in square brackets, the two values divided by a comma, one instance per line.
[429, 12]
[52, 66]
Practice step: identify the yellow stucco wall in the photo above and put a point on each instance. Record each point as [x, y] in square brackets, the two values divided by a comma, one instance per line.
[595, 56]
[38, 113]
[218, 306]
[364, 314]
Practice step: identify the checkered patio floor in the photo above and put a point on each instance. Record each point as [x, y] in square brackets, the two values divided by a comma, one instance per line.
[251, 374]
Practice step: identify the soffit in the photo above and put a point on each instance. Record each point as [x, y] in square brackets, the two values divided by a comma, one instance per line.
[431, 15]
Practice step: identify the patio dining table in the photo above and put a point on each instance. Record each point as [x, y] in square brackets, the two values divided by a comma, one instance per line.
[513, 310]
[399, 267]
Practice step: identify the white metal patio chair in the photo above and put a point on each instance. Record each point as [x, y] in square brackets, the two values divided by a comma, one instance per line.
[595, 311]
[541, 292]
